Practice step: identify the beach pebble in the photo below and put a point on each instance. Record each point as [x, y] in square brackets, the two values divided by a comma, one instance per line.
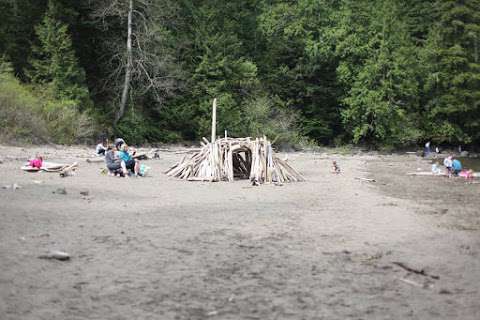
[60, 191]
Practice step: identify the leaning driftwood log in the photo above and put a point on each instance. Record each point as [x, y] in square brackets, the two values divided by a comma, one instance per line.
[228, 158]
[68, 170]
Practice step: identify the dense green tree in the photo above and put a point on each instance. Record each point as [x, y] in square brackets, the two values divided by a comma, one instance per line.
[452, 68]
[378, 72]
[382, 101]
[299, 51]
[5, 16]
[17, 30]
[221, 67]
[54, 62]
[419, 16]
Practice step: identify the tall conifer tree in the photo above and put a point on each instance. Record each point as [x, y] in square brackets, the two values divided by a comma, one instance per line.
[54, 62]
[382, 98]
[453, 82]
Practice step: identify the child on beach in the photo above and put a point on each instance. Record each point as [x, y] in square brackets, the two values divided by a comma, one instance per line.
[36, 162]
[448, 162]
[335, 167]
[467, 174]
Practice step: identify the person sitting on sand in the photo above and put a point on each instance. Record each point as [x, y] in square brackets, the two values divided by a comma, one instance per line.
[456, 166]
[114, 164]
[101, 148]
[118, 143]
[130, 163]
[36, 162]
[335, 167]
[467, 174]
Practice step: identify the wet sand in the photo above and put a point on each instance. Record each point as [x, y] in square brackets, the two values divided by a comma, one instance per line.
[159, 248]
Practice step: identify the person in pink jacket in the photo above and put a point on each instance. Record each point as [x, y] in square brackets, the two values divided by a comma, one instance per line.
[36, 162]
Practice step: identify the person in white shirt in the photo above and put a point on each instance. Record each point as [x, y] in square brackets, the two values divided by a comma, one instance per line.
[101, 148]
[448, 162]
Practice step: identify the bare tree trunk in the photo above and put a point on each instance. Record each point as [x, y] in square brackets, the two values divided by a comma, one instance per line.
[128, 68]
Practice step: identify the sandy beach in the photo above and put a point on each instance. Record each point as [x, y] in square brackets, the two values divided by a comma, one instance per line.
[333, 247]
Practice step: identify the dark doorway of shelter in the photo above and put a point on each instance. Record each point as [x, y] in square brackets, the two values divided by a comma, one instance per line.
[242, 163]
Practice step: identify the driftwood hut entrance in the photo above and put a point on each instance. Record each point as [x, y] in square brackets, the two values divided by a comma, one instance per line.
[242, 163]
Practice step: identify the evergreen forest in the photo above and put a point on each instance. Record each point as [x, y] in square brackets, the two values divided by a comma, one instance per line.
[380, 73]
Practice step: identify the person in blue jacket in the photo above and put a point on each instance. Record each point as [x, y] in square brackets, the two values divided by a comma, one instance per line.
[130, 163]
[456, 166]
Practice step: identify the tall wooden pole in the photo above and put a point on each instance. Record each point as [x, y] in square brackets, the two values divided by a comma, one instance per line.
[214, 121]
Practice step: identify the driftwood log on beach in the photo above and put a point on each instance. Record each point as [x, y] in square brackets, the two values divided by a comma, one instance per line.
[441, 174]
[230, 158]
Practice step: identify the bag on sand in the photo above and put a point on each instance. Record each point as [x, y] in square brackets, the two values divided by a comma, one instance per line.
[143, 170]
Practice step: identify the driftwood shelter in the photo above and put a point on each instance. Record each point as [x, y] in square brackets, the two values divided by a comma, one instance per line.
[226, 159]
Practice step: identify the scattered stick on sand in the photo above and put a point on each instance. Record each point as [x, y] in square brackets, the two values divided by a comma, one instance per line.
[416, 271]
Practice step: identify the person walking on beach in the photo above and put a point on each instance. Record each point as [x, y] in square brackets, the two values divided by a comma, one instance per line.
[427, 150]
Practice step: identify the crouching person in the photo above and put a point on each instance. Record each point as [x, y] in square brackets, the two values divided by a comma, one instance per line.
[114, 163]
[127, 158]
[456, 166]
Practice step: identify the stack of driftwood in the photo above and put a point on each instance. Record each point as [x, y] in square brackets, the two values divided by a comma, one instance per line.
[228, 158]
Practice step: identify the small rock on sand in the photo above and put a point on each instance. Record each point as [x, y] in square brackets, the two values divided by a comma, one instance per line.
[60, 191]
